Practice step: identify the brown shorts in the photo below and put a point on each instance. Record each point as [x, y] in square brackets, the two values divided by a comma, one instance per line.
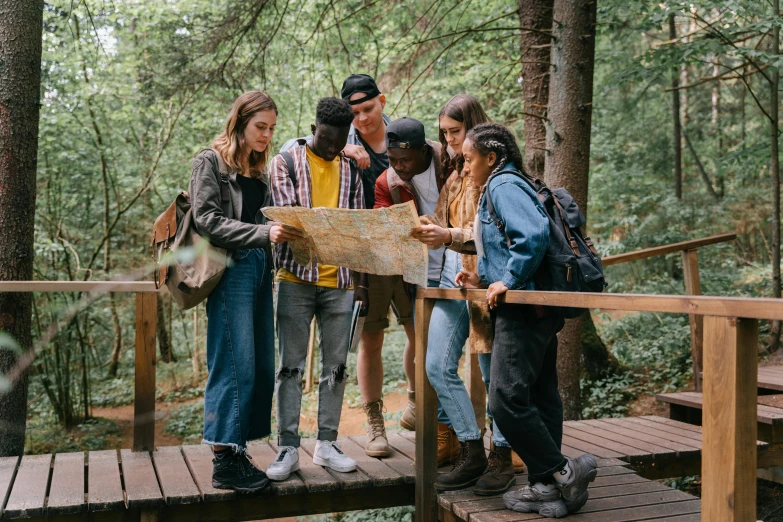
[385, 291]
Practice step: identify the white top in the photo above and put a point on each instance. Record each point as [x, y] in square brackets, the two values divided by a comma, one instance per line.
[426, 186]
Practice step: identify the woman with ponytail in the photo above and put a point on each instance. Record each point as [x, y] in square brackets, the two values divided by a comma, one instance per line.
[523, 394]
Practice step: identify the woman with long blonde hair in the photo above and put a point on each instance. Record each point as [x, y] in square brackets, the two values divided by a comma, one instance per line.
[228, 188]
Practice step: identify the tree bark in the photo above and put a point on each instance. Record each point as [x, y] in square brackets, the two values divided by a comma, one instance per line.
[676, 118]
[164, 340]
[568, 149]
[535, 52]
[20, 82]
[774, 342]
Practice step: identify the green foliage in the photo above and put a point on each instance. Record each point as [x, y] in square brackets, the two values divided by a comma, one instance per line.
[608, 397]
[187, 422]
[395, 514]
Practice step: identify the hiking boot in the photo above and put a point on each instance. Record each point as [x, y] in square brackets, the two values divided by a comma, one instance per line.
[236, 472]
[528, 499]
[517, 462]
[499, 475]
[467, 471]
[574, 492]
[408, 420]
[286, 462]
[328, 454]
[448, 445]
[377, 443]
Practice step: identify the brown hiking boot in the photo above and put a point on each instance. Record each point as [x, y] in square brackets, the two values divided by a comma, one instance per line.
[517, 462]
[499, 476]
[377, 443]
[448, 445]
[408, 420]
[467, 471]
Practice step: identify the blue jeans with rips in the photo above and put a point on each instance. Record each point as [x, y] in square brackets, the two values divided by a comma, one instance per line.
[449, 329]
[240, 353]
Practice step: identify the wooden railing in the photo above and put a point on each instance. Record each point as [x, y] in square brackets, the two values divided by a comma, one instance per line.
[730, 366]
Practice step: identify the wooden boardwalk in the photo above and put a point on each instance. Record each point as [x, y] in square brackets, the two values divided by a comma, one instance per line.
[175, 483]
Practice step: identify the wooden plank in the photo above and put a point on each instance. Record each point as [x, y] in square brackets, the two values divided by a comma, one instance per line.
[600, 442]
[199, 460]
[146, 348]
[760, 308]
[729, 452]
[352, 480]
[477, 391]
[263, 455]
[29, 489]
[396, 461]
[176, 483]
[96, 287]
[642, 447]
[316, 479]
[765, 414]
[690, 264]
[587, 447]
[650, 512]
[8, 466]
[66, 493]
[104, 489]
[627, 489]
[695, 430]
[646, 436]
[403, 445]
[663, 250]
[141, 484]
[426, 420]
[381, 474]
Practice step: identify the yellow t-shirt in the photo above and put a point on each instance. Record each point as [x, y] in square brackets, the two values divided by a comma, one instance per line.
[325, 180]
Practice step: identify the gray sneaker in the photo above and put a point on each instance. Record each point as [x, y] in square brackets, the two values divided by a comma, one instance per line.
[529, 500]
[583, 471]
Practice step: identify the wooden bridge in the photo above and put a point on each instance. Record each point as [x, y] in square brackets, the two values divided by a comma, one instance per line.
[174, 483]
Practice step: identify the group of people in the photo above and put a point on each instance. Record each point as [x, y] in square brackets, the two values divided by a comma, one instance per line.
[356, 158]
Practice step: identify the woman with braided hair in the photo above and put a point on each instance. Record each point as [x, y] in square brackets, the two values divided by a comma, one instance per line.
[523, 394]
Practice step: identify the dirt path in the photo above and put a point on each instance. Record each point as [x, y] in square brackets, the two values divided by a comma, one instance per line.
[123, 417]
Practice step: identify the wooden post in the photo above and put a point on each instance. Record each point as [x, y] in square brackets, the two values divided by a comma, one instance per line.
[426, 421]
[728, 461]
[310, 359]
[476, 389]
[690, 264]
[144, 405]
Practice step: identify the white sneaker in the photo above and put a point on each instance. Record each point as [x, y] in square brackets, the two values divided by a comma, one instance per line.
[329, 454]
[286, 462]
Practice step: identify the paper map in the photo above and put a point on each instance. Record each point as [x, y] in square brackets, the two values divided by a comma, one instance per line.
[370, 241]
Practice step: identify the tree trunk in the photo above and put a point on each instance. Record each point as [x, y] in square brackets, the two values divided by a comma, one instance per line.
[676, 118]
[568, 146]
[536, 52]
[20, 82]
[774, 342]
[164, 340]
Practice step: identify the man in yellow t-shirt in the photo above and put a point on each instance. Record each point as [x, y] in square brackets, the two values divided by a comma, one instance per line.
[321, 177]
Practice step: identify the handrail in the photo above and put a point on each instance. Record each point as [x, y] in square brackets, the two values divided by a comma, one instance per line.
[666, 249]
[133, 287]
[748, 307]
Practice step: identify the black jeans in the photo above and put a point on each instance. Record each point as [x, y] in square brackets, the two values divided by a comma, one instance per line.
[523, 393]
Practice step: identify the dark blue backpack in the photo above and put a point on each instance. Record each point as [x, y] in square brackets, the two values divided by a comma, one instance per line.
[571, 263]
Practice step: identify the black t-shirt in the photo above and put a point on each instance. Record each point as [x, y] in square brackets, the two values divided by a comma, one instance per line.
[378, 163]
[253, 195]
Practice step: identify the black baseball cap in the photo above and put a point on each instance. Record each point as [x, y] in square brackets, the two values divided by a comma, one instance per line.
[359, 83]
[405, 133]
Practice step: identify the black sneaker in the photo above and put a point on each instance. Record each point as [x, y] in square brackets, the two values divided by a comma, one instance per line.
[236, 472]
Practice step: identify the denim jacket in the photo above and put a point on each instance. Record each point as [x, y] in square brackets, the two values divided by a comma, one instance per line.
[512, 258]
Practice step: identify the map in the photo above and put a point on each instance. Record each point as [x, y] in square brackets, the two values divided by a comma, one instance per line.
[370, 241]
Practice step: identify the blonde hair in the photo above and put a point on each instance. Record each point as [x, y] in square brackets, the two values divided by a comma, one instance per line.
[229, 143]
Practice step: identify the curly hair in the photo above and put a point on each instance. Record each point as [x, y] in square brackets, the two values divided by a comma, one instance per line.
[494, 137]
[465, 109]
[334, 111]
[230, 143]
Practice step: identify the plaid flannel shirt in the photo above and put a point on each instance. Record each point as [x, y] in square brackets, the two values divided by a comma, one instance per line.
[285, 194]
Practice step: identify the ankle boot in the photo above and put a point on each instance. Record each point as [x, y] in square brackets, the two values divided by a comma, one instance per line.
[448, 445]
[377, 442]
[499, 476]
[408, 420]
[467, 471]
[517, 462]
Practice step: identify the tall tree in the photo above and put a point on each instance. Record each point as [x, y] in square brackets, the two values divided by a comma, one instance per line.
[20, 80]
[676, 117]
[568, 148]
[774, 131]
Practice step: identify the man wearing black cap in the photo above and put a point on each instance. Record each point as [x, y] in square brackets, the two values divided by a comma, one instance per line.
[414, 175]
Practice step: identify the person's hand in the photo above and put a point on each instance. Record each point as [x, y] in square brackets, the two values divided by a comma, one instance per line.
[280, 233]
[432, 235]
[362, 295]
[467, 279]
[358, 154]
[494, 291]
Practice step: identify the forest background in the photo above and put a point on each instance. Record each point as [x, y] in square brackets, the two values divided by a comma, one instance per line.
[132, 90]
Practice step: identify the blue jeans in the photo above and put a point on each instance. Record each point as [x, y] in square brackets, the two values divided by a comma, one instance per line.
[240, 353]
[449, 329]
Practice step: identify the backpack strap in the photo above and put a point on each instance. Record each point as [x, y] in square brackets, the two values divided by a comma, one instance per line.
[225, 192]
[289, 163]
[354, 172]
